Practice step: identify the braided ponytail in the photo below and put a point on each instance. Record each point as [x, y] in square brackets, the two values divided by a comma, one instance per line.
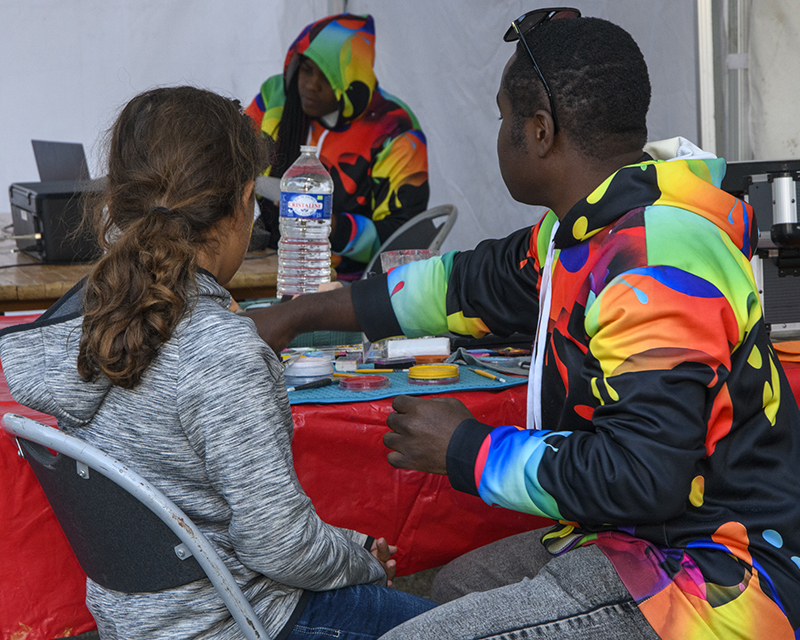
[179, 162]
[292, 130]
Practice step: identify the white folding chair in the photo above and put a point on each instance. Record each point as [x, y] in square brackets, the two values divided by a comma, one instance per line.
[426, 230]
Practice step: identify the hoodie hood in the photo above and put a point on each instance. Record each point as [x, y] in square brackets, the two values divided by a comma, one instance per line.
[343, 47]
[40, 358]
[676, 174]
[40, 364]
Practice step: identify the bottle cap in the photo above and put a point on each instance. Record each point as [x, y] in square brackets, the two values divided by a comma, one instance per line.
[307, 369]
[433, 374]
[310, 366]
[395, 363]
[364, 383]
[308, 148]
[429, 359]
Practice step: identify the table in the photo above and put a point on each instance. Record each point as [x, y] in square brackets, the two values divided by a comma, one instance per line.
[341, 463]
[32, 285]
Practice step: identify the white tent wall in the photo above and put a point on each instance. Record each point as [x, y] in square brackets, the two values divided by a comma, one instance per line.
[757, 87]
[445, 59]
[774, 80]
[67, 67]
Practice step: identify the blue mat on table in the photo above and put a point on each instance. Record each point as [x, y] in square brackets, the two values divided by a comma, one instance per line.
[469, 381]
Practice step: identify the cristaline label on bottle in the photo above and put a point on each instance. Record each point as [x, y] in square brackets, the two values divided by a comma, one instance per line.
[306, 205]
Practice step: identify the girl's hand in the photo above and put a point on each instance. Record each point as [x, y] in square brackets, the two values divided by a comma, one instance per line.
[329, 286]
[383, 551]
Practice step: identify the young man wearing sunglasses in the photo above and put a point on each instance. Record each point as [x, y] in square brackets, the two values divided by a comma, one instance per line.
[662, 433]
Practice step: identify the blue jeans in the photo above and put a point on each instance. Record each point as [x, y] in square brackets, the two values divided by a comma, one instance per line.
[361, 612]
[514, 589]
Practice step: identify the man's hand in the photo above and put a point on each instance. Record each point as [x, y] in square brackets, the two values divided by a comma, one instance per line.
[421, 429]
[275, 326]
[279, 324]
[383, 551]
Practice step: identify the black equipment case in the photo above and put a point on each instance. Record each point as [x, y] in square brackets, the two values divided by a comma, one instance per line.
[48, 216]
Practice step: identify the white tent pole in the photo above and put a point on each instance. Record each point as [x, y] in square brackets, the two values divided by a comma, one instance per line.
[705, 58]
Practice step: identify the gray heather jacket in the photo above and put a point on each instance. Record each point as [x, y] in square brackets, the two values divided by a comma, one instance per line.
[210, 426]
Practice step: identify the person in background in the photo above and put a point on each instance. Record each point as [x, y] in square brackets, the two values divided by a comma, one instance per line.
[145, 360]
[369, 141]
[663, 438]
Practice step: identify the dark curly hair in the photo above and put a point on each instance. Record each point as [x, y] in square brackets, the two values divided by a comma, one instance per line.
[598, 78]
[179, 161]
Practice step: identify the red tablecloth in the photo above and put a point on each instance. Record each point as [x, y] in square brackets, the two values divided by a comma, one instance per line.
[341, 462]
[42, 586]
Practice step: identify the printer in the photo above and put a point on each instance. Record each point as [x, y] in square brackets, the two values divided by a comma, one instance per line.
[771, 188]
[47, 220]
[47, 215]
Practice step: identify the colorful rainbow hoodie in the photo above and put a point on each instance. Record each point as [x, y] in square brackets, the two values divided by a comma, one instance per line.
[671, 438]
[375, 150]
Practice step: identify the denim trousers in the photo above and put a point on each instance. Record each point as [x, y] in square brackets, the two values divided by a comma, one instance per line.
[514, 589]
[361, 612]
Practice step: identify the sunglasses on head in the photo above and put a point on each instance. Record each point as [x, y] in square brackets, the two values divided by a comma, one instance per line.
[526, 23]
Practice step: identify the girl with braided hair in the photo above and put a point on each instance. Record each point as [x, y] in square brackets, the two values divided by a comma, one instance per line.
[145, 360]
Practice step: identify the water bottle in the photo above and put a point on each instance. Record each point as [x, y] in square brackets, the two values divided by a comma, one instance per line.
[304, 251]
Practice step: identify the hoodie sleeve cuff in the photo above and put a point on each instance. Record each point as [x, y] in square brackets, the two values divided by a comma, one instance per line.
[373, 308]
[462, 454]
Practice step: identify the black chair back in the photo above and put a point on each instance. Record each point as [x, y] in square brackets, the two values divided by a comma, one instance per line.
[118, 541]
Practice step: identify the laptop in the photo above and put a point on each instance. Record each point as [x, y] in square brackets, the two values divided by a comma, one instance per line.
[60, 160]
